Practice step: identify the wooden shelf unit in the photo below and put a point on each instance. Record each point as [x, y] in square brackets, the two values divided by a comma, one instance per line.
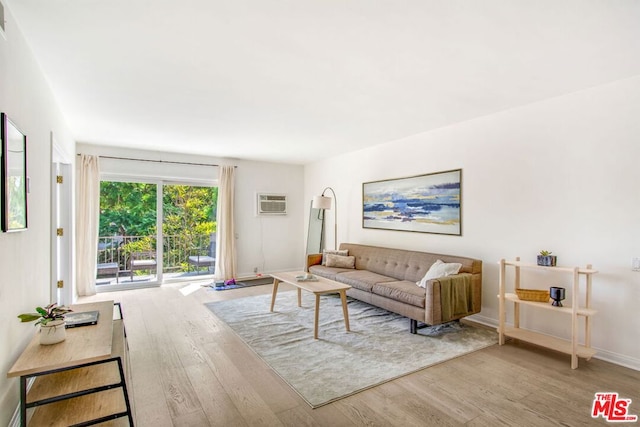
[81, 381]
[574, 311]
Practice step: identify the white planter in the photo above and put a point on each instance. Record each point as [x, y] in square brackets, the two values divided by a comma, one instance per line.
[53, 332]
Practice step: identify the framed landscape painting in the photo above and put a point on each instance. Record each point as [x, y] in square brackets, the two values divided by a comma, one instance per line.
[430, 203]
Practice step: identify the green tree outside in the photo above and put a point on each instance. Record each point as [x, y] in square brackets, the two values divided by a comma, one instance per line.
[128, 207]
[190, 213]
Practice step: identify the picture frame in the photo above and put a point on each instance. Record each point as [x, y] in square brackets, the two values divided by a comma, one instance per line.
[429, 203]
[14, 176]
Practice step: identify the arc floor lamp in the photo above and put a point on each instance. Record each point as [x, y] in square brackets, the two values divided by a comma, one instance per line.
[324, 202]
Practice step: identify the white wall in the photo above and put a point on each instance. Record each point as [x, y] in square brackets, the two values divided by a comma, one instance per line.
[560, 175]
[268, 243]
[25, 256]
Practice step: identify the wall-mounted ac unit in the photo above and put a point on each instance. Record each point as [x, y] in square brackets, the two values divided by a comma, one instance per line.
[272, 204]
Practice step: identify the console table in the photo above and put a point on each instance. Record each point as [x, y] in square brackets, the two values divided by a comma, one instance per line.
[80, 381]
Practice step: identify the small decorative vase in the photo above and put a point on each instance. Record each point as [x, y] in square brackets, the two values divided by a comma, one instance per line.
[557, 295]
[547, 260]
[53, 332]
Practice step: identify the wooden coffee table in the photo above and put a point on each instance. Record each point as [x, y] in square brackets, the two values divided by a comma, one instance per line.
[321, 287]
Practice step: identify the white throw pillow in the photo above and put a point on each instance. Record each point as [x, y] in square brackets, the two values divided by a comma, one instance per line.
[325, 252]
[439, 269]
[341, 261]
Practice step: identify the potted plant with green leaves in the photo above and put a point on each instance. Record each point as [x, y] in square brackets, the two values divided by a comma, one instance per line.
[51, 321]
[546, 259]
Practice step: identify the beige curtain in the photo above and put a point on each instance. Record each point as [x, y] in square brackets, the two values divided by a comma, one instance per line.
[88, 221]
[226, 247]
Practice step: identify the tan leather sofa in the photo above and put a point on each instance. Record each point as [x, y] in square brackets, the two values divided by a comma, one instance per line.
[387, 277]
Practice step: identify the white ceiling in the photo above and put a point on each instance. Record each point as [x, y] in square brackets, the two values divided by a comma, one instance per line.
[297, 80]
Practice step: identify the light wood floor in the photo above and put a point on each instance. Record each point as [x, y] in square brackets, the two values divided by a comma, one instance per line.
[190, 369]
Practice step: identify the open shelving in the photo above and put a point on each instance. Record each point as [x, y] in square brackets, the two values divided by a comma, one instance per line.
[573, 312]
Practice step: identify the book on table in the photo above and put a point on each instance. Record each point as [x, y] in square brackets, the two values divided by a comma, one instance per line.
[82, 318]
[307, 278]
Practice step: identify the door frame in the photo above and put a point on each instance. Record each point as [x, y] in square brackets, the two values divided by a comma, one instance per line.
[61, 217]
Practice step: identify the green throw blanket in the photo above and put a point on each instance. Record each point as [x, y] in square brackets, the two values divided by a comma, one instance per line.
[455, 296]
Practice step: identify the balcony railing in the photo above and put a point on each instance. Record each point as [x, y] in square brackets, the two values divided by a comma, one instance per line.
[176, 249]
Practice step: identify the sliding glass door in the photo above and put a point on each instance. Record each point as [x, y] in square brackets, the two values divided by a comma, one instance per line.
[135, 216]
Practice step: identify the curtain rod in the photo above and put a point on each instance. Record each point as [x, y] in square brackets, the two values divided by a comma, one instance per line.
[157, 161]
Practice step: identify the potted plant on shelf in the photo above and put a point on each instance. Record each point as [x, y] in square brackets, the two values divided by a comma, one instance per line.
[51, 321]
[546, 259]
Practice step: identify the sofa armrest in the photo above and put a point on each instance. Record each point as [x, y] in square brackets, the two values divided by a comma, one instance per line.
[433, 303]
[313, 259]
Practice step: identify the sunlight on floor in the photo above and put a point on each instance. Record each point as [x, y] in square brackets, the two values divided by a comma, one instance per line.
[191, 288]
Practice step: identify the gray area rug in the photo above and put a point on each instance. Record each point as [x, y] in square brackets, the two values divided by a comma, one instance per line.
[379, 347]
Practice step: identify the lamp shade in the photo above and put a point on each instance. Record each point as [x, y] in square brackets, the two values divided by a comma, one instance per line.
[321, 202]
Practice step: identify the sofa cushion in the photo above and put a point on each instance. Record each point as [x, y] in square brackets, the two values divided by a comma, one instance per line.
[341, 261]
[362, 279]
[343, 252]
[327, 272]
[403, 291]
[387, 262]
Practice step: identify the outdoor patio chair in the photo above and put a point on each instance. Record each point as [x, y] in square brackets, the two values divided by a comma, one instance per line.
[200, 258]
[145, 260]
[108, 269]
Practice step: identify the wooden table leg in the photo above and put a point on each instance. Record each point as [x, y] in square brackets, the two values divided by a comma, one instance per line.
[345, 310]
[299, 297]
[276, 282]
[315, 322]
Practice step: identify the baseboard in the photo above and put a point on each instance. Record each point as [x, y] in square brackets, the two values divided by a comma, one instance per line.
[486, 321]
[15, 419]
[618, 359]
[248, 277]
[607, 356]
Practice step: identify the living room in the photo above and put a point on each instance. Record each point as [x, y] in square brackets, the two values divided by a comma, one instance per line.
[556, 173]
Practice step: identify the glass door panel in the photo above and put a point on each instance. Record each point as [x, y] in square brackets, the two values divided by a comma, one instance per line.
[127, 234]
[188, 228]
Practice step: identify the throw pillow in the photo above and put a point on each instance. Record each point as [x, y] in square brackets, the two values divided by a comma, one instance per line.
[326, 252]
[341, 261]
[439, 269]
